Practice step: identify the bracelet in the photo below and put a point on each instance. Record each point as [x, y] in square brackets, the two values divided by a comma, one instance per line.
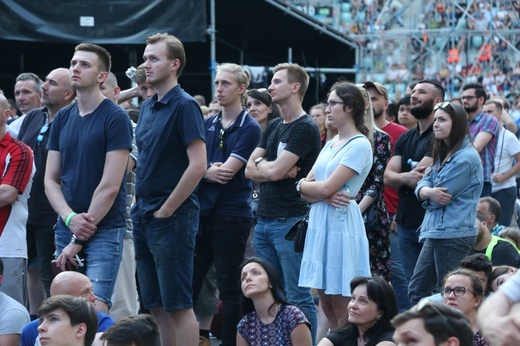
[68, 218]
[298, 185]
[74, 240]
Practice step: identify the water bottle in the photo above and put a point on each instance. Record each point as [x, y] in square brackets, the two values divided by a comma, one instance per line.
[340, 214]
[412, 163]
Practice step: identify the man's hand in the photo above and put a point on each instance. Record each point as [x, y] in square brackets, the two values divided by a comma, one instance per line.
[82, 225]
[499, 177]
[413, 177]
[218, 174]
[293, 172]
[67, 255]
[393, 227]
[162, 213]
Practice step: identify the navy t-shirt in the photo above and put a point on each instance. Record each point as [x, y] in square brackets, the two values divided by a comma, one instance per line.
[239, 141]
[164, 130]
[83, 143]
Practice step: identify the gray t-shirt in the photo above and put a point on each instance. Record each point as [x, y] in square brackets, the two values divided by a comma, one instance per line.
[13, 315]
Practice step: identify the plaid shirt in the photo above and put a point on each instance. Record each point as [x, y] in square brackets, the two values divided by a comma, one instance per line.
[484, 122]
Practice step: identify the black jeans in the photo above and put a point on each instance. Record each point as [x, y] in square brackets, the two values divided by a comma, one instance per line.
[40, 243]
[222, 240]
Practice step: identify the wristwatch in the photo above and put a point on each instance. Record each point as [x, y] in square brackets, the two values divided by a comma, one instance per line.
[74, 240]
[258, 160]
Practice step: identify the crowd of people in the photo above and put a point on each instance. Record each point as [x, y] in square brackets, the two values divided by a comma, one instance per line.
[405, 222]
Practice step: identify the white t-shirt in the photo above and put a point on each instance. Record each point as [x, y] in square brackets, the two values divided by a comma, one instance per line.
[507, 146]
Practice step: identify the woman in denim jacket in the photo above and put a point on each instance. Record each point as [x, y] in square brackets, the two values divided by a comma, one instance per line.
[450, 190]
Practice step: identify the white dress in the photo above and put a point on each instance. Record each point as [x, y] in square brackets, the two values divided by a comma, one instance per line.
[336, 248]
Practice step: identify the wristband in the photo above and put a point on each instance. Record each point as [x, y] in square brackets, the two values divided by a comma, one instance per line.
[68, 218]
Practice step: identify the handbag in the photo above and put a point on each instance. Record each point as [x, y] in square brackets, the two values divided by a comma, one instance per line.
[371, 217]
[297, 234]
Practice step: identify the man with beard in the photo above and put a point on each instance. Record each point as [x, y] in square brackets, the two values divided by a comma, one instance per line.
[401, 173]
[483, 129]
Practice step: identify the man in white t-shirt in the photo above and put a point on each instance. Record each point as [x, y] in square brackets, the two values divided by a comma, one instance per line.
[507, 165]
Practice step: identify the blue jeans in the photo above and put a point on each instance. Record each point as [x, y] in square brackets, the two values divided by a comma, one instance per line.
[271, 246]
[411, 248]
[507, 199]
[399, 281]
[102, 255]
[221, 240]
[438, 257]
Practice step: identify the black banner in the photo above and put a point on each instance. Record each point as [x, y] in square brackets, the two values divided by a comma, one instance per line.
[101, 21]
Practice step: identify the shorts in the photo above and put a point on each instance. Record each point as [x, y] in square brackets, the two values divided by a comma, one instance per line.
[102, 255]
[164, 249]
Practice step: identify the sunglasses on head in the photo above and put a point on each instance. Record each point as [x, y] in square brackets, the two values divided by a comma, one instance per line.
[443, 105]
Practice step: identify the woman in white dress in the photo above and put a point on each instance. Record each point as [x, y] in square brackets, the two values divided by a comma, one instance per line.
[336, 246]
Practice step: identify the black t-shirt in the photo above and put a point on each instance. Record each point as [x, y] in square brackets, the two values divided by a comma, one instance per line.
[279, 199]
[41, 212]
[339, 338]
[415, 146]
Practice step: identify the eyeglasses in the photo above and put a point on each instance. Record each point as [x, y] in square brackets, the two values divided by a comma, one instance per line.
[221, 136]
[43, 131]
[443, 105]
[459, 291]
[331, 104]
[469, 97]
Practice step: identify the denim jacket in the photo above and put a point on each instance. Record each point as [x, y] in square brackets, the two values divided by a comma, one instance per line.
[462, 174]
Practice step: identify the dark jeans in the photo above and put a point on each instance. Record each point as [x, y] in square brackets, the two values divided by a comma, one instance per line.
[507, 199]
[40, 243]
[221, 240]
[486, 189]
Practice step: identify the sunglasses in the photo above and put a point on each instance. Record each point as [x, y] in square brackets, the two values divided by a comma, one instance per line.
[443, 105]
[221, 137]
[41, 136]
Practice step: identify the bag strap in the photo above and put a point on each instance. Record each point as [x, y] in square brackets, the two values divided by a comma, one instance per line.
[345, 144]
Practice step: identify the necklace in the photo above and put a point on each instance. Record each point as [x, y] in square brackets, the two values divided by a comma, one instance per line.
[225, 127]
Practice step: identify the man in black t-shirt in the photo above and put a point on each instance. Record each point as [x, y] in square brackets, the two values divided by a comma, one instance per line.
[286, 153]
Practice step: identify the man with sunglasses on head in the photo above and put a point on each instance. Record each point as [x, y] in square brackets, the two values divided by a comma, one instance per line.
[483, 130]
[224, 194]
[412, 154]
[57, 92]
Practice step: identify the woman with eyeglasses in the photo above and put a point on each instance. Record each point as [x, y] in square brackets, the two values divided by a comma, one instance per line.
[450, 190]
[464, 291]
[336, 246]
[259, 104]
[372, 307]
